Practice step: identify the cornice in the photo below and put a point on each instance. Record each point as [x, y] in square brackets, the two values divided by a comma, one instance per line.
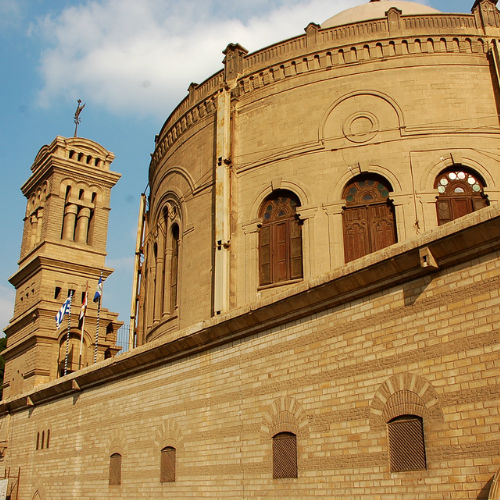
[324, 50]
[72, 168]
[459, 241]
[41, 262]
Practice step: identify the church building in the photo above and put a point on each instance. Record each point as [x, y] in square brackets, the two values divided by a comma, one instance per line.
[315, 304]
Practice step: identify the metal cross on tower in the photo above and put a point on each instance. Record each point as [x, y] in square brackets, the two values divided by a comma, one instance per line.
[79, 109]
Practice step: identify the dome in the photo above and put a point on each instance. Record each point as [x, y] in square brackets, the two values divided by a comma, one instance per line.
[376, 9]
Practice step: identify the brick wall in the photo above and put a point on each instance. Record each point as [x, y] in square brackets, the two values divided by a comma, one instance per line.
[327, 377]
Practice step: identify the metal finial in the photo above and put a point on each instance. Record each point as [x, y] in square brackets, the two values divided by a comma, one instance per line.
[79, 109]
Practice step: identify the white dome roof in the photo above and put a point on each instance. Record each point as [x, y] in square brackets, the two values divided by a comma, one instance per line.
[376, 9]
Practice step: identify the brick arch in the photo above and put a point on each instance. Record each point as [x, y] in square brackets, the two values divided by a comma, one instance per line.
[117, 444]
[284, 415]
[404, 394]
[294, 187]
[168, 433]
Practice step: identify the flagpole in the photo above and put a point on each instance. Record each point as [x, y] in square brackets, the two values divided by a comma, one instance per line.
[97, 329]
[98, 296]
[67, 336]
[83, 327]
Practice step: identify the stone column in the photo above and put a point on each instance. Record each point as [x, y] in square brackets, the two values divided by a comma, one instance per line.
[70, 212]
[427, 203]
[82, 225]
[336, 234]
[251, 261]
[39, 221]
[160, 272]
[308, 242]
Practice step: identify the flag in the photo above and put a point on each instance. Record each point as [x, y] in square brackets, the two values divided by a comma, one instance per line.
[65, 309]
[98, 292]
[83, 309]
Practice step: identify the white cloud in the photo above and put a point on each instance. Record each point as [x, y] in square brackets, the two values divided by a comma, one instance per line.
[7, 295]
[140, 57]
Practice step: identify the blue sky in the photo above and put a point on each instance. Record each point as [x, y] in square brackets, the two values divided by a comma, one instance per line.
[131, 62]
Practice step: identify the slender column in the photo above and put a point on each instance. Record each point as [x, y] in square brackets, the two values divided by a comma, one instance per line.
[33, 229]
[69, 221]
[82, 225]
[427, 204]
[222, 203]
[39, 221]
[150, 301]
[160, 271]
[166, 277]
[336, 234]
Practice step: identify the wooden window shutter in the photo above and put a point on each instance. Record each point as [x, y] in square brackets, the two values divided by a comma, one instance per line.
[356, 241]
[295, 249]
[478, 203]
[279, 251]
[406, 444]
[284, 455]
[167, 466]
[265, 255]
[115, 469]
[443, 211]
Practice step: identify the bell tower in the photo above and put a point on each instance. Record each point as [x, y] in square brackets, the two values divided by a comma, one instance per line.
[63, 251]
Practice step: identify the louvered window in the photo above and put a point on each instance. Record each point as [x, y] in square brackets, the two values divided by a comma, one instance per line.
[368, 217]
[284, 455]
[460, 193]
[167, 465]
[406, 443]
[115, 469]
[280, 239]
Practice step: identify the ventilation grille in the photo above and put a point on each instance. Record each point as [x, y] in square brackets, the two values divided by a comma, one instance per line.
[406, 444]
[284, 455]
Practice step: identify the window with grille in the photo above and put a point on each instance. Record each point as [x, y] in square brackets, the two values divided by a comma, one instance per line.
[167, 465]
[280, 239]
[369, 221]
[460, 193]
[115, 469]
[284, 455]
[406, 443]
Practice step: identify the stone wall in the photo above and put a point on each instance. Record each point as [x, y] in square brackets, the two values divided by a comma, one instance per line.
[326, 374]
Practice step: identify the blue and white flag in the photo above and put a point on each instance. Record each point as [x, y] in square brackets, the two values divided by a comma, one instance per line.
[65, 309]
[98, 292]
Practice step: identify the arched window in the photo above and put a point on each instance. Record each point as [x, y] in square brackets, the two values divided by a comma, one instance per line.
[167, 465]
[284, 455]
[460, 193]
[368, 217]
[406, 443]
[280, 239]
[115, 469]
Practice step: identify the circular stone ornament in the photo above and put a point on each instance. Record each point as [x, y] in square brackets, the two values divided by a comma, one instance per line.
[361, 127]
